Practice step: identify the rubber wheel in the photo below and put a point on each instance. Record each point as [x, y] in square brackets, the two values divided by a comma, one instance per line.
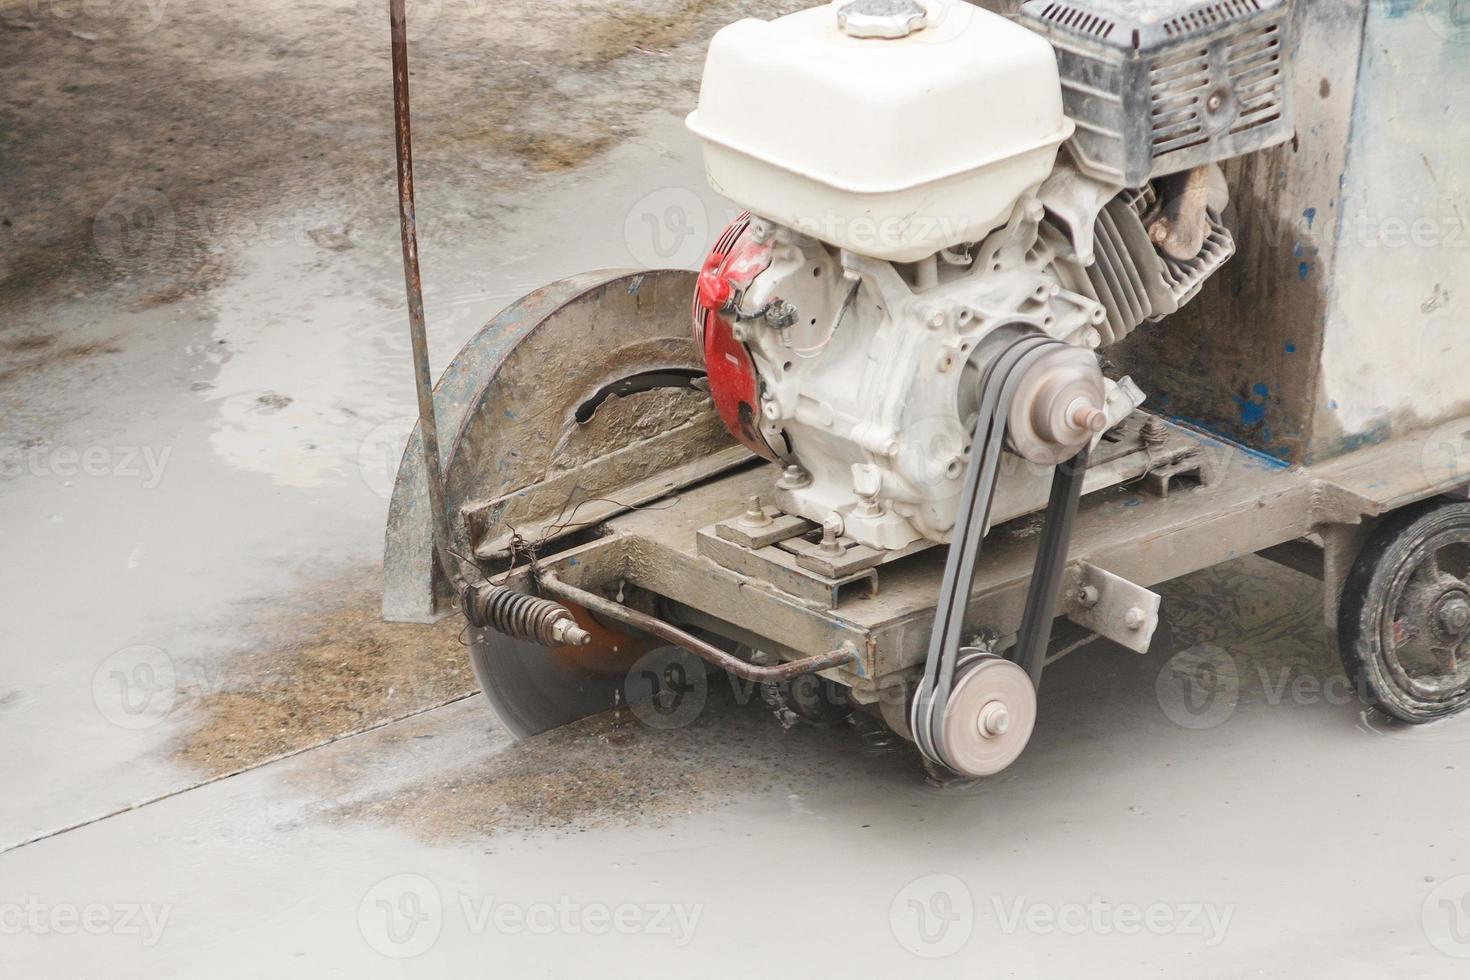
[1404, 618]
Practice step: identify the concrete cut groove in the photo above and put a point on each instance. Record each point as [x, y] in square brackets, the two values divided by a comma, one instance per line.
[300, 750]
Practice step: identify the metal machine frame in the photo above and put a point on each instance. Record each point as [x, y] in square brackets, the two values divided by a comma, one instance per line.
[1269, 445]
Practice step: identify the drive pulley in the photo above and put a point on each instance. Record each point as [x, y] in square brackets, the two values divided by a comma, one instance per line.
[973, 712]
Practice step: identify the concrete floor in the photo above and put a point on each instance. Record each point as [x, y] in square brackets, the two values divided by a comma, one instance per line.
[220, 764]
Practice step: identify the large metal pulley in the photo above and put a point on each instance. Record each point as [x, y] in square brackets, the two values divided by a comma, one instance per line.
[991, 714]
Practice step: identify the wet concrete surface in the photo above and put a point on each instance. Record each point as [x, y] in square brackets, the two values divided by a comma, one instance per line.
[218, 761]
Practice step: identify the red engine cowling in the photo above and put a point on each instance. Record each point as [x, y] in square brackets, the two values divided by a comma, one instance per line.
[736, 259]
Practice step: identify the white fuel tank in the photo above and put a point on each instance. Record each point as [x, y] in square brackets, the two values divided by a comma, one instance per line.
[892, 128]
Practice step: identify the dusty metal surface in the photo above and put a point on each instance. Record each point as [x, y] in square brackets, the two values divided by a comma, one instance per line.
[428, 428]
[520, 459]
[665, 631]
[796, 557]
[1393, 358]
[1114, 607]
[1142, 538]
[1244, 358]
[1339, 323]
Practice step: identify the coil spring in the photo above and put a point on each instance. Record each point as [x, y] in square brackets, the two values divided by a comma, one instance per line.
[516, 614]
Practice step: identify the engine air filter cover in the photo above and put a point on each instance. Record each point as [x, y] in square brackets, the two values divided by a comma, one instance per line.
[1157, 87]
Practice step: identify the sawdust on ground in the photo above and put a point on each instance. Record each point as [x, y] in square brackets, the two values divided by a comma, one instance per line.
[324, 666]
[613, 770]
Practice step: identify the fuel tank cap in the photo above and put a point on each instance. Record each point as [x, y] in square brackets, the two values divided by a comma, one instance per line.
[882, 18]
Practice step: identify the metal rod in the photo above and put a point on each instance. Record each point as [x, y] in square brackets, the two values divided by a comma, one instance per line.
[667, 631]
[423, 378]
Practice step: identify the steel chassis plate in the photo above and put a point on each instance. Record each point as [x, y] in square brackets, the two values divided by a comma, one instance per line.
[1250, 505]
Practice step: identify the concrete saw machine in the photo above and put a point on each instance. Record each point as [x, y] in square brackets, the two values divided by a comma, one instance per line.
[893, 429]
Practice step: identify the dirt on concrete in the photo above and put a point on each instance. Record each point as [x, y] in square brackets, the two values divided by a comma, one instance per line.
[613, 770]
[213, 116]
[322, 666]
[33, 352]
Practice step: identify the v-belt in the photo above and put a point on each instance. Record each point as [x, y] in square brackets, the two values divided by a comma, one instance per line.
[997, 389]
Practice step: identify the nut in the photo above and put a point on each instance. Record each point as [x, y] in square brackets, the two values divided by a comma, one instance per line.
[793, 477]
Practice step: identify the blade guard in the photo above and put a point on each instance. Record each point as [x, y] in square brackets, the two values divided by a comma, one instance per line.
[516, 451]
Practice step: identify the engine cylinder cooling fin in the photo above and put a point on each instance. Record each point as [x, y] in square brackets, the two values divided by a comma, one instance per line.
[522, 616]
[1123, 253]
[1186, 279]
[1134, 281]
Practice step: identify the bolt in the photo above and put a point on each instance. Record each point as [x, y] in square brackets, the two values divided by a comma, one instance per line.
[1088, 596]
[831, 528]
[568, 633]
[1154, 433]
[1454, 615]
[1215, 102]
[793, 477]
[1134, 618]
[755, 514]
[994, 720]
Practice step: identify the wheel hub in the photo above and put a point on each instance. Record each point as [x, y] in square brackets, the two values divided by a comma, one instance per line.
[1452, 615]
